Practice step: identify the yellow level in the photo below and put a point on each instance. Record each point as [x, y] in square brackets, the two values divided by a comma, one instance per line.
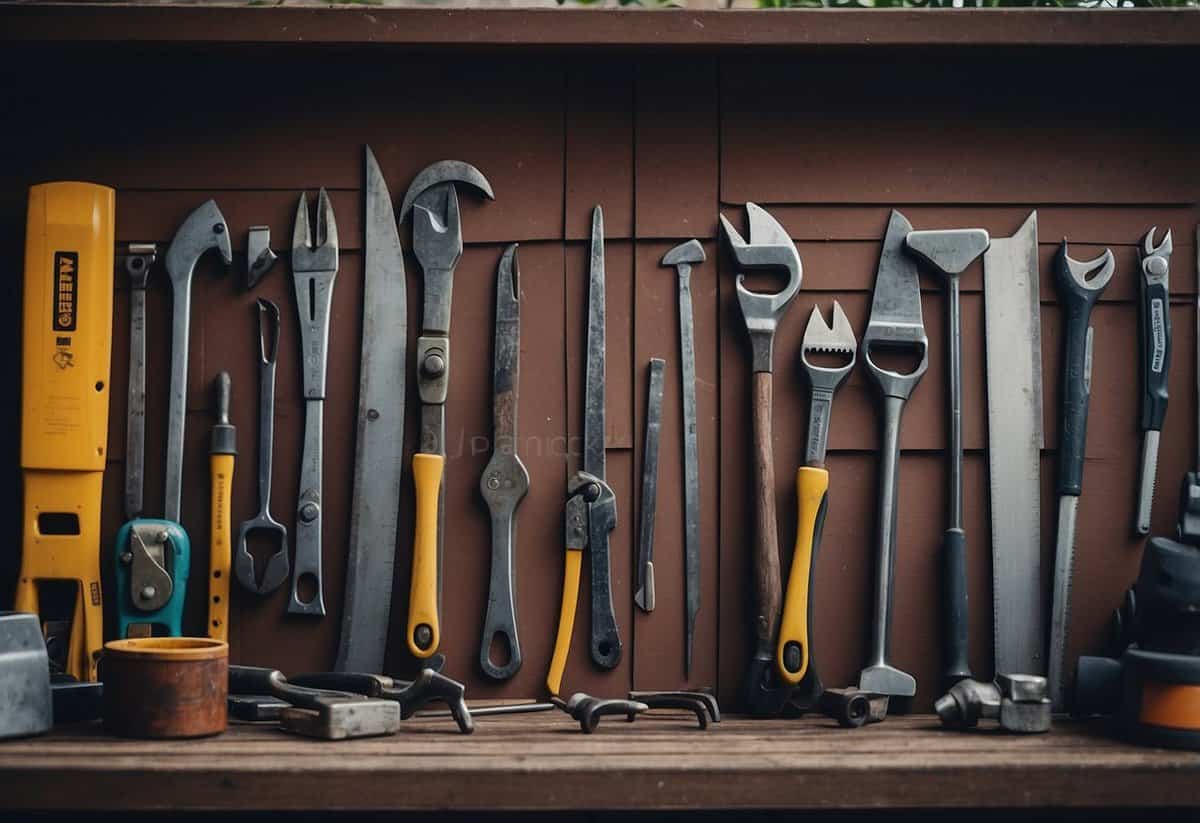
[67, 343]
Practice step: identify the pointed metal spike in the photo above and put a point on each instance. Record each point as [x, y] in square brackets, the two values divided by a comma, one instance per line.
[509, 284]
[764, 229]
[731, 234]
[301, 233]
[841, 326]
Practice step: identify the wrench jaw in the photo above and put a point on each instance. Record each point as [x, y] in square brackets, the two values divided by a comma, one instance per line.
[204, 229]
[1163, 249]
[1087, 278]
[820, 338]
[444, 172]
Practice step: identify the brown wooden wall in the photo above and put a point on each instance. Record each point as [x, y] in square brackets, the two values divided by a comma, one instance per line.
[1101, 143]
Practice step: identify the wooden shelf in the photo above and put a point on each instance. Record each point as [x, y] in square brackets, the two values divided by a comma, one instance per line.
[543, 762]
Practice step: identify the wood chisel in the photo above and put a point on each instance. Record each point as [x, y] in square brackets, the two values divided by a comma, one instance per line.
[643, 594]
[1013, 335]
[66, 352]
[1154, 348]
[222, 451]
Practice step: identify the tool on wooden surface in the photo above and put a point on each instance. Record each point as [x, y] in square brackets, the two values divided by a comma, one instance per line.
[588, 710]
[153, 556]
[165, 687]
[259, 257]
[1154, 345]
[314, 270]
[793, 652]
[1152, 687]
[66, 349]
[853, 708]
[139, 260]
[276, 570]
[949, 252]
[25, 704]
[704, 700]
[428, 687]
[1017, 702]
[222, 451]
[682, 257]
[505, 481]
[643, 594]
[379, 449]
[319, 713]
[769, 248]
[438, 244]
[1079, 287]
[1013, 333]
[895, 326]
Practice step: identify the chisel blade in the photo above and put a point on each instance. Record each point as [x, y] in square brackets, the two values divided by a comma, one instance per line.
[1012, 325]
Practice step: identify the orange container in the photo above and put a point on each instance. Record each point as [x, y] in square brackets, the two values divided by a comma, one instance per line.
[162, 687]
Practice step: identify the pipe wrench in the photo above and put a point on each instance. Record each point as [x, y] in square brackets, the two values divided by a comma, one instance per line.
[314, 268]
[1154, 346]
[437, 242]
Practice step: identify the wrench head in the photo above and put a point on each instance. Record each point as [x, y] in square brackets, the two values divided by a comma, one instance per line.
[321, 255]
[1163, 249]
[444, 173]
[689, 252]
[821, 338]
[885, 679]
[895, 321]
[277, 569]
[1089, 277]
[204, 229]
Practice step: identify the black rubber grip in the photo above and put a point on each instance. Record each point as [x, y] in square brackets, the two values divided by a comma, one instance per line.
[1154, 344]
[954, 607]
[250, 680]
[1076, 303]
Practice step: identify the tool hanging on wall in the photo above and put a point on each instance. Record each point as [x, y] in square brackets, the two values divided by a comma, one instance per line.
[895, 324]
[153, 556]
[794, 652]
[770, 248]
[259, 257]
[277, 567]
[438, 244]
[222, 451]
[379, 449]
[314, 270]
[1079, 287]
[505, 480]
[682, 257]
[643, 594]
[138, 262]
[949, 252]
[1013, 332]
[1189, 494]
[1154, 348]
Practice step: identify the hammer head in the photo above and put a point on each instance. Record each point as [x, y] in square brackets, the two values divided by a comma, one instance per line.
[204, 229]
[444, 171]
[949, 251]
[689, 252]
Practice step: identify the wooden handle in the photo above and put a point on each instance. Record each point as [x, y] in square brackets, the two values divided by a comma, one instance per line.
[219, 554]
[566, 621]
[812, 484]
[766, 537]
[422, 599]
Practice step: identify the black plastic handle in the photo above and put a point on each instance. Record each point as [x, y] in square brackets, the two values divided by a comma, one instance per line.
[1154, 344]
[954, 607]
[1077, 303]
[250, 680]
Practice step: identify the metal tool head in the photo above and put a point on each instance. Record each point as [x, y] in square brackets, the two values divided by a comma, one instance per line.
[1163, 249]
[322, 255]
[268, 331]
[444, 174]
[592, 496]
[138, 262]
[588, 710]
[433, 200]
[1088, 277]
[837, 339]
[1156, 260]
[949, 251]
[684, 254]
[259, 257]
[770, 247]
[895, 321]
[204, 229]
[888, 680]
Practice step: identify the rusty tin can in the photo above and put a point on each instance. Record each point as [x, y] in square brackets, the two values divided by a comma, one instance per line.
[162, 687]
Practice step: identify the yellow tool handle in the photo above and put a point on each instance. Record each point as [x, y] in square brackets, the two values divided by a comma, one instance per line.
[422, 597]
[792, 653]
[566, 621]
[221, 471]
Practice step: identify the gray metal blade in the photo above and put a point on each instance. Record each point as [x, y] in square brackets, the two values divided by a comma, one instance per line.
[1149, 471]
[379, 451]
[1060, 619]
[1013, 329]
[593, 395]
[897, 297]
[644, 593]
[135, 433]
[507, 361]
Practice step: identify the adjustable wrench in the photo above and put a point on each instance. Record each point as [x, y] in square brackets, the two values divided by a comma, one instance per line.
[277, 565]
[505, 480]
[314, 268]
[1154, 344]
[437, 242]
[769, 248]
[1079, 287]
[895, 323]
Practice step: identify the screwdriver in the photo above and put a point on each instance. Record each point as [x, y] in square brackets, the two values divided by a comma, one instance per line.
[222, 450]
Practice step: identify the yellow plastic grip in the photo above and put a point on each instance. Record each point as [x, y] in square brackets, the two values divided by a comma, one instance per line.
[566, 621]
[422, 597]
[221, 471]
[811, 486]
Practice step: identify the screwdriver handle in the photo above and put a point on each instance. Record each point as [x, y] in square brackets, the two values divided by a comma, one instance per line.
[793, 655]
[1154, 342]
[423, 630]
[566, 620]
[954, 602]
[1077, 303]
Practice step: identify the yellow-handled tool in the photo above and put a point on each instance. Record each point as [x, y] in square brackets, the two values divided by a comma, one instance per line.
[794, 656]
[221, 453]
[424, 633]
[67, 344]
